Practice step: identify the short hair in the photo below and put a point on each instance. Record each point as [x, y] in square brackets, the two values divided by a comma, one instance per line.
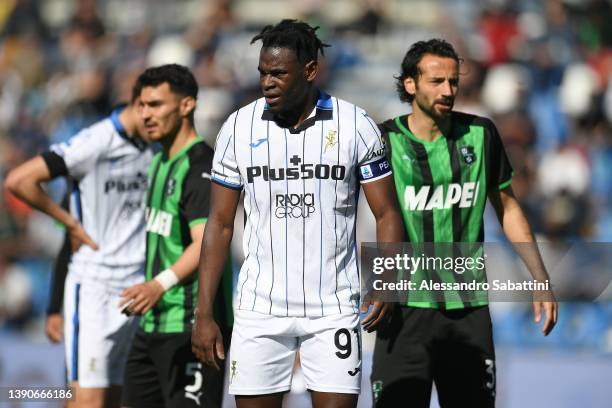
[410, 64]
[178, 77]
[294, 35]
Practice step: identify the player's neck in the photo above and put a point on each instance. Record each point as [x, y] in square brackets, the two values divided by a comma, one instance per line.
[425, 127]
[174, 144]
[295, 117]
[128, 121]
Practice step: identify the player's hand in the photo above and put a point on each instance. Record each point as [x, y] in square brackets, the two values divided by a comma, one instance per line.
[545, 300]
[78, 237]
[380, 311]
[207, 341]
[54, 327]
[143, 297]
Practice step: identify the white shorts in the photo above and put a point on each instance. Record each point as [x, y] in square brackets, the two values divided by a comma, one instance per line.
[97, 335]
[263, 353]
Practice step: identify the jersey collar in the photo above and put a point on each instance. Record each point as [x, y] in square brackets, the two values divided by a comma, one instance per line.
[323, 111]
[135, 141]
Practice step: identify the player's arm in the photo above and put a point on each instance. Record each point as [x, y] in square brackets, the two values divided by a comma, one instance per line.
[54, 326]
[25, 182]
[382, 200]
[206, 340]
[144, 296]
[517, 230]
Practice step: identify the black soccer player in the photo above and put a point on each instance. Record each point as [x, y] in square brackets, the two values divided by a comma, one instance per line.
[445, 165]
[300, 155]
[161, 370]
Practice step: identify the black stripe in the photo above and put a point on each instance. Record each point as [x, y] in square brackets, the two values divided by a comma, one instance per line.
[188, 303]
[248, 253]
[456, 179]
[304, 227]
[428, 221]
[456, 210]
[270, 218]
[423, 161]
[335, 205]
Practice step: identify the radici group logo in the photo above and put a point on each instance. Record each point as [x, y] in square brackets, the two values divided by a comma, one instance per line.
[294, 205]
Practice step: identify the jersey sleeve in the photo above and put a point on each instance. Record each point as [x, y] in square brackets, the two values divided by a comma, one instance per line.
[81, 152]
[195, 198]
[499, 168]
[225, 166]
[372, 163]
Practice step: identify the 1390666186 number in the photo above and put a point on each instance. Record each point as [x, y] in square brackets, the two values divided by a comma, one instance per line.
[35, 393]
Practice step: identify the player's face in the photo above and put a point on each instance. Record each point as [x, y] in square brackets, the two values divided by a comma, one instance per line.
[285, 82]
[160, 111]
[436, 87]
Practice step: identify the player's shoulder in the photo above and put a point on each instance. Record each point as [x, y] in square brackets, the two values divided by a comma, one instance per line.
[200, 154]
[390, 125]
[345, 107]
[247, 112]
[469, 119]
[102, 129]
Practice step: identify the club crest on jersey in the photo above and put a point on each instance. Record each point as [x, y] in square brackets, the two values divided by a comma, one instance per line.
[170, 186]
[467, 152]
[330, 140]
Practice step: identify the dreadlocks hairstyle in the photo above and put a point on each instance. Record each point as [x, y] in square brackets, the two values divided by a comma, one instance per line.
[294, 35]
[410, 64]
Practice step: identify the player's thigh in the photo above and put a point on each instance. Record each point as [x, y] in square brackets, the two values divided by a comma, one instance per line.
[141, 388]
[260, 401]
[120, 331]
[72, 293]
[465, 364]
[262, 354]
[185, 381]
[331, 354]
[104, 338]
[402, 360]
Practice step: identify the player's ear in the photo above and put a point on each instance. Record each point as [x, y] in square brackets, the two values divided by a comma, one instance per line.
[311, 70]
[410, 85]
[187, 105]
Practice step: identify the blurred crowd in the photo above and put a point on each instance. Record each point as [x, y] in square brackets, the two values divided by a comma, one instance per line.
[542, 70]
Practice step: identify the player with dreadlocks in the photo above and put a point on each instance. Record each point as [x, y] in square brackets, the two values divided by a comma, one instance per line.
[300, 156]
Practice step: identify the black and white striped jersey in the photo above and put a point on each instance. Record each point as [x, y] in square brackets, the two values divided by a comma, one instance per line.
[110, 182]
[301, 190]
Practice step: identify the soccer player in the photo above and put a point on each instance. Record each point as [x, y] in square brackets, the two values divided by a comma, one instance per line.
[161, 370]
[54, 326]
[108, 163]
[445, 165]
[300, 156]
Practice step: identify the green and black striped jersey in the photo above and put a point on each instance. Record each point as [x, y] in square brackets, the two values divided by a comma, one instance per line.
[177, 200]
[442, 189]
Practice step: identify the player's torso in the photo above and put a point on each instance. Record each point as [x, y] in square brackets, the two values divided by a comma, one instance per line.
[167, 231]
[300, 199]
[168, 234]
[109, 200]
[441, 185]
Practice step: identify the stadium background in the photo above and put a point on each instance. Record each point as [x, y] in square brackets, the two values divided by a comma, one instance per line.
[541, 69]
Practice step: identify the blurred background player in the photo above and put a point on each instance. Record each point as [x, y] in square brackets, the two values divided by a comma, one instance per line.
[161, 370]
[445, 166]
[300, 155]
[108, 163]
[54, 326]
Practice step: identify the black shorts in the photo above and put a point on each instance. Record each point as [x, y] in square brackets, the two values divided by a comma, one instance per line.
[161, 371]
[453, 348]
